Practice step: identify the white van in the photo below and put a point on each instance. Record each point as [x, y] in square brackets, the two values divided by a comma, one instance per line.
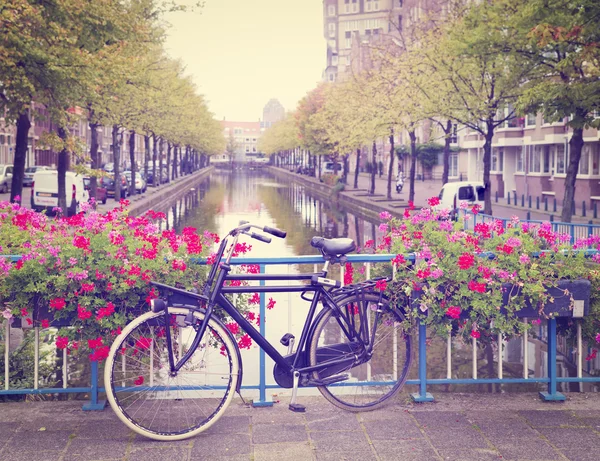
[44, 191]
[453, 193]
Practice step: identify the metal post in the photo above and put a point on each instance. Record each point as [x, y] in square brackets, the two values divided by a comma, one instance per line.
[537, 203]
[528, 216]
[579, 355]
[595, 210]
[36, 358]
[552, 394]
[262, 400]
[554, 207]
[422, 395]
[474, 354]
[583, 208]
[508, 199]
[590, 228]
[515, 197]
[529, 202]
[6, 353]
[525, 352]
[545, 203]
[449, 356]
[523, 200]
[94, 404]
[500, 356]
[496, 196]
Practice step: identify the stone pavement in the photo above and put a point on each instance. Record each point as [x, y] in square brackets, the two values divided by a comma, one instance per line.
[456, 427]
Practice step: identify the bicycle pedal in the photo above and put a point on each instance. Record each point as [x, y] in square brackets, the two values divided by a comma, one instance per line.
[297, 408]
[328, 381]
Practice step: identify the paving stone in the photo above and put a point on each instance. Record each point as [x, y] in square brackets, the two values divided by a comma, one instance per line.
[550, 418]
[20, 455]
[93, 449]
[392, 430]
[215, 445]
[50, 424]
[581, 455]
[278, 414]
[160, 454]
[336, 422]
[341, 441]
[346, 456]
[528, 450]
[479, 454]
[269, 433]
[404, 450]
[455, 438]
[587, 413]
[571, 438]
[142, 443]
[39, 441]
[105, 430]
[279, 451]
[230, 425]
[440, 418]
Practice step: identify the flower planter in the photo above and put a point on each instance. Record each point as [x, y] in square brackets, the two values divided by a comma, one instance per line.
[571, 298]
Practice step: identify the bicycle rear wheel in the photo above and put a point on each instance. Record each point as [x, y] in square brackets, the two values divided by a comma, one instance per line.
[374, 374]
[154, 403]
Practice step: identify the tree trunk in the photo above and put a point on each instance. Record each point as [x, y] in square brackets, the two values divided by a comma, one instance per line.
[117, 161]
[345, 175]
[161, 146]
[154, 158]
[487, 165]
[61, 167]
[23, 126]
[357, 168]
[413, 165]
[175, 154]
[146, 155]
[132, 189]
[391, 167]
[94, 156]
[169, 147]
[374, 169]
[447, 139]
[575, 146]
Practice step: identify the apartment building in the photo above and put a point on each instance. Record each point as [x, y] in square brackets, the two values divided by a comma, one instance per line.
[272, 112]
[245, 136]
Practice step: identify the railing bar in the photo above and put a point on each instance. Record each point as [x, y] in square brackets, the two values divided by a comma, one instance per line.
[368, 271]
[6, 352]
[500, 355]
[342, 272]
[395, 352]
[449, 356]
[289, 269]
[474, 344]
[36, 358]
[579, 351]
[152, 357]
[526, 352]
[64, 370]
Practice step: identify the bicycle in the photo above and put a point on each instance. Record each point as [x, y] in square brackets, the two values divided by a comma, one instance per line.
[173, 371]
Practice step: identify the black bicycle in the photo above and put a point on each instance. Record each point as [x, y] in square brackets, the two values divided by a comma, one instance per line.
[173, 371]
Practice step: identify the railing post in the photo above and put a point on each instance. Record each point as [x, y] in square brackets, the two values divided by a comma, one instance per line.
[552, 394]
[422, 395]
[595, 210]
[523, 200]
[545, 203]
[554, 207]
[528, 218]
[529, 202]
[508, 199]
[590, 228]
[583, 209]
[537, 203]
[94, 404]
[262, 399]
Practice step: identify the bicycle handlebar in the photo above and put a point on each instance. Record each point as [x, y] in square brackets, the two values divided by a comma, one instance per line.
[262, 238]
[274, 231]
[245, 226]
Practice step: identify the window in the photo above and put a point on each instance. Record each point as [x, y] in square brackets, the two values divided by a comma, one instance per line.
[1, 139]
[466, 193]
[520, 157]
[399, 23]
[530, 120]
[547, 154]
[453, 170]
[595, 158]
[368, 5]
[334, 60]
[584, 161]
[400, 2]
[497, 159]
[376, 32]
[331, 10]
[535, 159]
[332, 45]
[355, 6]
[560, 159]
[494, 160]
[331, 27]
[348, 39]
[347, 6]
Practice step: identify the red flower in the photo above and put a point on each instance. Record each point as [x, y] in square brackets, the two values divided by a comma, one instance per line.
[433, 201]
[453, 312]
[245, 342]
[99, 354]
[476, 209]
[411, 205]
[398, 260]
[19, 264]
[87, 287]
[151, 295]
[24, 312]
[381, 284]
[109, 286]
[143, 343]
[233, 327]
[45, 323]
[58, 303]
[348, 274]
[476, 286]
[62, 342]
[106, 311]
[83, 313]
[79, 241]
[255, 299]
[271, 303]
[466, 261]
[475, 334]
[139, 381]
[95, 343]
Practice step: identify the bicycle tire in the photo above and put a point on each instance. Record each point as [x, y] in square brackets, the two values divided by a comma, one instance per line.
[372, 381]
[156, 405]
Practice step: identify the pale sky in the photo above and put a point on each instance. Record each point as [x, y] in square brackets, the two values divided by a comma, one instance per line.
[241, 53]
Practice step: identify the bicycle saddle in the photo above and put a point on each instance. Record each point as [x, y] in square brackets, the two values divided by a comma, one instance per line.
[333, 247]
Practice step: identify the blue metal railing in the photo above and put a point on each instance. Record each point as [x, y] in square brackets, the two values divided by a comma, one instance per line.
[422, 381]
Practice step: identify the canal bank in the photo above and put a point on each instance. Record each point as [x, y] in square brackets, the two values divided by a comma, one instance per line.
[358, 200]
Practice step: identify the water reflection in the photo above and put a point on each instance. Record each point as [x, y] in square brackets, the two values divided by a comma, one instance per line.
[225, 198]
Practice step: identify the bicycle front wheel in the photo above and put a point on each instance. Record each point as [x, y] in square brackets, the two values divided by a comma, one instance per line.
[162, 405]
[364, 341]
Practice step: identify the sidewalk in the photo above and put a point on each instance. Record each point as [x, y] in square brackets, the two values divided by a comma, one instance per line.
[430, 188]
[456, 427]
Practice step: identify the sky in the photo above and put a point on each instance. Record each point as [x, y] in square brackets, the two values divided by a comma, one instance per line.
[241, 53]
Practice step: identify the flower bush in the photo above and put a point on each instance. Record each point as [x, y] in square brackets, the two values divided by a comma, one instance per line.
[459, 278]
[92, 271]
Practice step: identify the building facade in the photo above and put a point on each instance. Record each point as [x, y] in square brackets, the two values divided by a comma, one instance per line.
[272, 112]
[242, 138]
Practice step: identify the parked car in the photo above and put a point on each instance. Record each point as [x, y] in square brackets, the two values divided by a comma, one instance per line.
[44, 191]
[109, 167]
[6, 173]
[108, 182]
[101, 194]
[140, 183]
[333, 168]
[29, 172]
[453, 193]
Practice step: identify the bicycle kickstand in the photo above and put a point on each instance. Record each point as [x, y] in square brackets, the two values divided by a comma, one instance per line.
[296, 407]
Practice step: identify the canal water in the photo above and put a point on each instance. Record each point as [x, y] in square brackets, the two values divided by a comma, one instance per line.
[226, 197]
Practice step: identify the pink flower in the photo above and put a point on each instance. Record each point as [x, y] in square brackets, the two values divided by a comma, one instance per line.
[598, 338]
[7, 314]
[466, 261]
[383, 227]
[381, 284]
[385, 216]
[524, 259]
[433, 201]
